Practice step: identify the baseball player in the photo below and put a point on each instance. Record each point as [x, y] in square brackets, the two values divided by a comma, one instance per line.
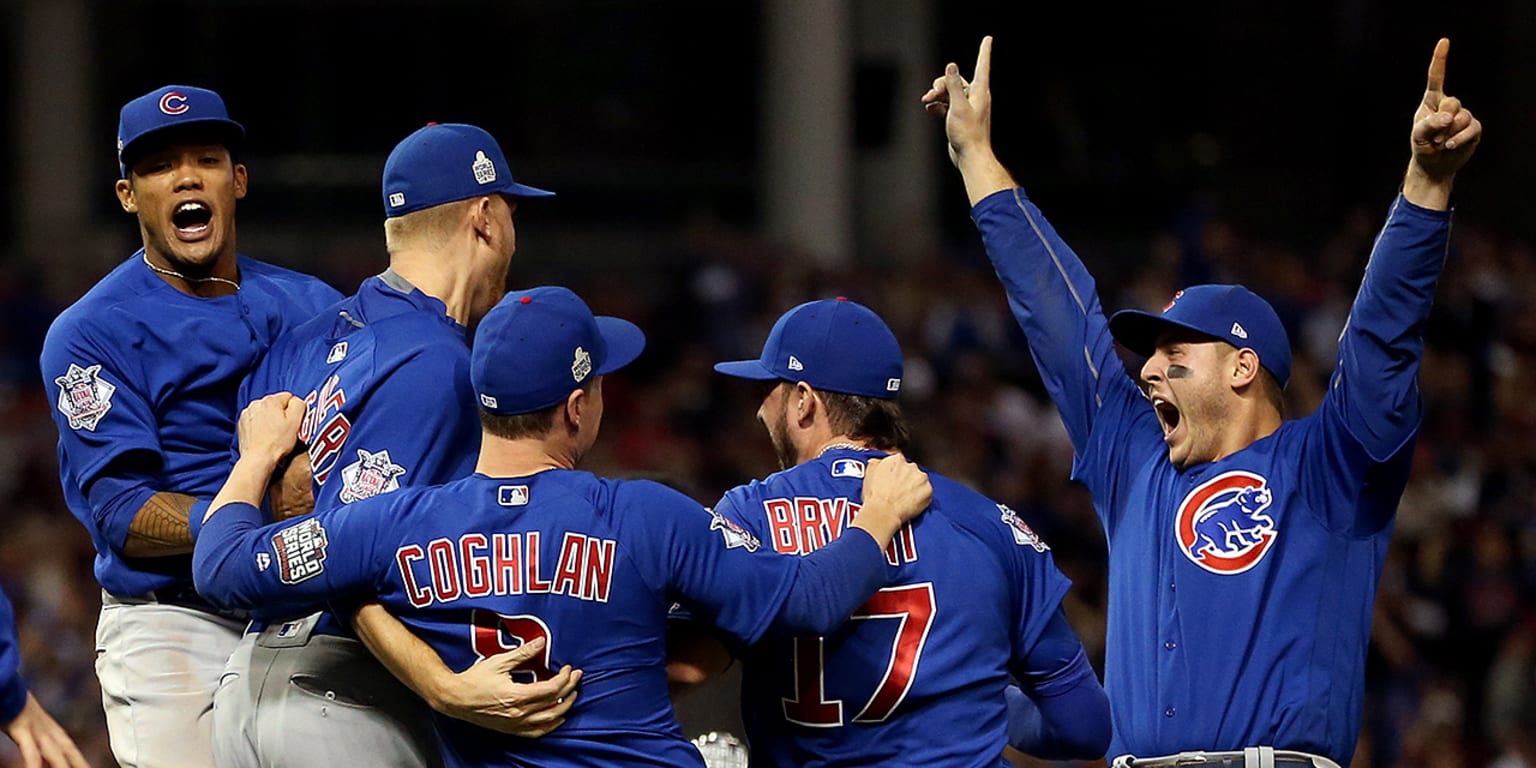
[530, 548]
[1244, 549]
[384, 376]
[37, 735]
[145, 368]
[974, 598]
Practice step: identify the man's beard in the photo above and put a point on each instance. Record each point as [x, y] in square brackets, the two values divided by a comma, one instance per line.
[783, 447]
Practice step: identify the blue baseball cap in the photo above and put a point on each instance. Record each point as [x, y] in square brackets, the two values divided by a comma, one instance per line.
[173, 106]
[442, 163]
[537, 346]
[1229, 313]
[834, 344]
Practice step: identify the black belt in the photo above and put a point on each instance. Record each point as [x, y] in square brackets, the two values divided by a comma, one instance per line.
[1252, 757]
[185, 596]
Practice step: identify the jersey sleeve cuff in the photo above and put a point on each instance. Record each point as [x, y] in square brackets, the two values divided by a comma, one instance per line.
[195, 517]
[13, 698]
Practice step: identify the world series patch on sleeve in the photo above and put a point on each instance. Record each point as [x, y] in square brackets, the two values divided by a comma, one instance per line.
[300, 551]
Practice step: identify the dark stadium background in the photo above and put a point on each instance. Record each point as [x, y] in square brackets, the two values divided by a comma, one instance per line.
[1169, 143]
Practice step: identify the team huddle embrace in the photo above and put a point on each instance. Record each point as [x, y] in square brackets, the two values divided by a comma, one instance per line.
[355, 530]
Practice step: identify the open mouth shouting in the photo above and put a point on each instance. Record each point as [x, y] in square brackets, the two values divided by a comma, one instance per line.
[192, 220]
[1167, 415]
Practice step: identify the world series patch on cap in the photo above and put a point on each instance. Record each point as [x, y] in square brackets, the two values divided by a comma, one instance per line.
[173, 106]
[835, 345]
[446, 162]
[1229, 313]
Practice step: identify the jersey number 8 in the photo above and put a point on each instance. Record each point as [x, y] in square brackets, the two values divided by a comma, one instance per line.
[493, 633]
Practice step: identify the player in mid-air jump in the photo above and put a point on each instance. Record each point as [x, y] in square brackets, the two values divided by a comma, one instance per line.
[1244, 550]
[974, 598]
[38, 736]
[530, 549]
[144, 369]
[384, 376]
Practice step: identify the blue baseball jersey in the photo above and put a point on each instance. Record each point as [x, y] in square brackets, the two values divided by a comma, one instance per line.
[973, 590]
[384, 375]
[1240, 590]
[144, 379]
[481, 565]
[13, 689]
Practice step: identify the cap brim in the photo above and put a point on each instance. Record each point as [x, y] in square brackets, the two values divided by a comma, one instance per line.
[523, 190]
[1137, 330]
[228, 132]
[624, 341]
[746, 369]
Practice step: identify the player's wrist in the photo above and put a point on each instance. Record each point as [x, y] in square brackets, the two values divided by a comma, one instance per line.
[880, 523]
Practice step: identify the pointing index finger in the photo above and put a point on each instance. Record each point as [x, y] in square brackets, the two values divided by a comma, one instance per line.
[982, 76]
[1436, 80]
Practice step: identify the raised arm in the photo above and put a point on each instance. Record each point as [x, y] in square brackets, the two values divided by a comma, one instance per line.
[1444, 137]
[1049, 291]
[1375, 383]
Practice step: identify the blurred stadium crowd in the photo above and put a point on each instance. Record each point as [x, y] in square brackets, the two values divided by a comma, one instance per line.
[1452, 673]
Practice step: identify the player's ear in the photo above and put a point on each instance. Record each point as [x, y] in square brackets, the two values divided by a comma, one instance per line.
[125, 196]
[480, 216]
[242, 180]
[575, 405]
[1245, 367]
[803, 402]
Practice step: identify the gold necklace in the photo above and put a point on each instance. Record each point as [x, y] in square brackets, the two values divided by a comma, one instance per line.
[174, 273]
[835, 446]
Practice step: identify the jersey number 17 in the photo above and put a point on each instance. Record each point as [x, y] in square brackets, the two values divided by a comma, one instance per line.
[912, 606]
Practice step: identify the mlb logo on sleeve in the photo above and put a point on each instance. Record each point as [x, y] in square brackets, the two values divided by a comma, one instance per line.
[300, 551]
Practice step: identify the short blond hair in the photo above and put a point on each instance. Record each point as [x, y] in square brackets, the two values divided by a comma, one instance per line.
[426, 228]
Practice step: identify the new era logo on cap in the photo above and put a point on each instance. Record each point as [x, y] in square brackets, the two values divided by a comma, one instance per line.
[794, 364]
[1239, 331]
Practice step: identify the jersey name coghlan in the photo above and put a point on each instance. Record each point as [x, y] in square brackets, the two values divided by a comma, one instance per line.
[1222, 525]
[804, 524]
[483, 564]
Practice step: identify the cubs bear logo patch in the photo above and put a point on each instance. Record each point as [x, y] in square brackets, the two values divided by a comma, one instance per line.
[1222, 525]
[371, 475]
[735, 535]
[300, 551]
[84, 396]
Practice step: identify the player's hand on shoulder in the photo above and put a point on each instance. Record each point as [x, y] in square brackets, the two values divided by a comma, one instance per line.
[269, 427]
[897, 486]
[487, 696]
[1445, 133]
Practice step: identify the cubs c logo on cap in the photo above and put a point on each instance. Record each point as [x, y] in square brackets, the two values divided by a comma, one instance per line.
[173, 103]
[1222, 525]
